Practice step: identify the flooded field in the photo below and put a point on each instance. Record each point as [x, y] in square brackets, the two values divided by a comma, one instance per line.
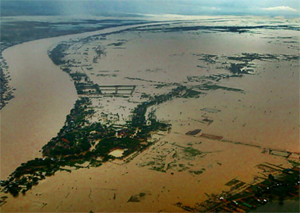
[230, 94]
[117, 153]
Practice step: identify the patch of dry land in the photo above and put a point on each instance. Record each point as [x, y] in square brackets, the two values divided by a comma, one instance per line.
[235, 110]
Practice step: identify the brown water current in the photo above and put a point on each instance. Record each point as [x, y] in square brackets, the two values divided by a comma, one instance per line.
[44, 96]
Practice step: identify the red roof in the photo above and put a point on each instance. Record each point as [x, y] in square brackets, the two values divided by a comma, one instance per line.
[65, 140]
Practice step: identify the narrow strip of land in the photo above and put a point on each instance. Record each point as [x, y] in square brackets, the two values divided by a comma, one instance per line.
[44, 96]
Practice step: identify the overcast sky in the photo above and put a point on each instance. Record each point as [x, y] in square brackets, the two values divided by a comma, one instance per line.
[185, 7]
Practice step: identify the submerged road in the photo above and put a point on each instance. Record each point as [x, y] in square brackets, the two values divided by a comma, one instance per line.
[44, 96]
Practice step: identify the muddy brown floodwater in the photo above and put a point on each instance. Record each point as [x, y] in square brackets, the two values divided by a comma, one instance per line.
[265, 114]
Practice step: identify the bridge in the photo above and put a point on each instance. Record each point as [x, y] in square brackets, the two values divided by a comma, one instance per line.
[117, 89]
[106, 90]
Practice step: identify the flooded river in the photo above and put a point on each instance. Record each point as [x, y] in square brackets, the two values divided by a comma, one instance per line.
[44, 96]
[257, 116]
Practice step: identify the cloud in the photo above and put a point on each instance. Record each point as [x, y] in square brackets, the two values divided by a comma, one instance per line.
[280, 8]
[289, 8]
